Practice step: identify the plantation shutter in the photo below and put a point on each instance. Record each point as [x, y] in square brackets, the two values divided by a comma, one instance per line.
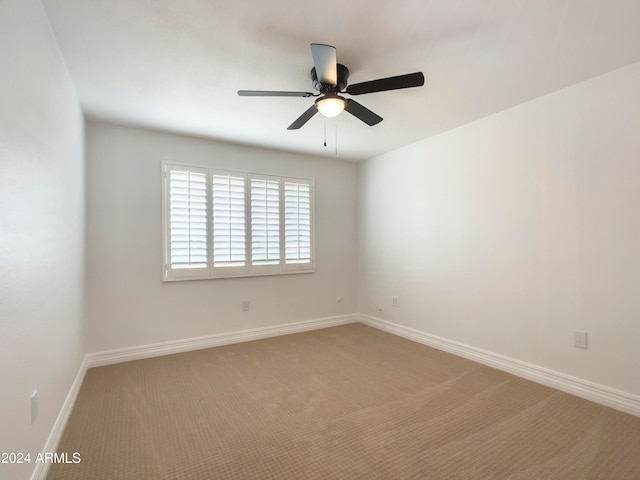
[265, 221]
[187, 220]
[223, 224]
[297, 230]
[229, 230]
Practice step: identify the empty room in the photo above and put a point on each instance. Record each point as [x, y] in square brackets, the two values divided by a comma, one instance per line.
[307, 240]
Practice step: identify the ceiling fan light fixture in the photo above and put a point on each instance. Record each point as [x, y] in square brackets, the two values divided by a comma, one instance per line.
[330, 106]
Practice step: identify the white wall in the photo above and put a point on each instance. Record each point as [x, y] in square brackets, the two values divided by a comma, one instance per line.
[41, 230]
[129, 305]
[510, 232]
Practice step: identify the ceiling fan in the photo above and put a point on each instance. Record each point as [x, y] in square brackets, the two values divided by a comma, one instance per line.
[330, 79]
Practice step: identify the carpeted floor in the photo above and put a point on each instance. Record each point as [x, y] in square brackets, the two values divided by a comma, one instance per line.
[348, 402]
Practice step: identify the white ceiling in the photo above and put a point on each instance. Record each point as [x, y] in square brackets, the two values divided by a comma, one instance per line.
[177, 65]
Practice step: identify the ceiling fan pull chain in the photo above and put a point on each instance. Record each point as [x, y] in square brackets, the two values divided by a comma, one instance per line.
[324, 122]
[336, 137]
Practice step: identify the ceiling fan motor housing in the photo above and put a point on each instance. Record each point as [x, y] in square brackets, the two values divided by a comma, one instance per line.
[343, 77]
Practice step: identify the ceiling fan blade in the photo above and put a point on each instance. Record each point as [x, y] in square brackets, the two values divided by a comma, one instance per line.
[270, 93]
[326, 63]
[390, 83]
[304, 118]
[362, 112]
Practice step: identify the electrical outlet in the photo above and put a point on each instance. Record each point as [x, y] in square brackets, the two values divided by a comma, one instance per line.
[246, 304]
[33, 401]
[579, 339]
[395, 301]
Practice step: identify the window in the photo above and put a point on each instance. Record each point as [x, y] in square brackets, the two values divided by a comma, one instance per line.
[220, 224]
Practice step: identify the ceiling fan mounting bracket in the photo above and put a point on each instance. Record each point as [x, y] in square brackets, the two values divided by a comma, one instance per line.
[343, 78]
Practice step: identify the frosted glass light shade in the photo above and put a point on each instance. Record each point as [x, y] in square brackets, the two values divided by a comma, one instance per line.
[330, 106]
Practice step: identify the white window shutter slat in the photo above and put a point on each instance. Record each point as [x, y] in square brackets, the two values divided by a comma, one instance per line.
[297, 230]
[229, 231]
[265, 222]
[187, 219]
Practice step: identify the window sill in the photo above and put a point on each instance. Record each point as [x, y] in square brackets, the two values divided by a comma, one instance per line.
[168, 278]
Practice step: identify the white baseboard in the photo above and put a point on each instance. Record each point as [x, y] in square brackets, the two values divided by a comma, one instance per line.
[42, 468]
[607, 396]
[208, 341]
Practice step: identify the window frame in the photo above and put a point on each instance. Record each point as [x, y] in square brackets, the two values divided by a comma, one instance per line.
[248, 270]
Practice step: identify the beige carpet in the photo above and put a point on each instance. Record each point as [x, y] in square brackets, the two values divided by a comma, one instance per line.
[349, 402]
